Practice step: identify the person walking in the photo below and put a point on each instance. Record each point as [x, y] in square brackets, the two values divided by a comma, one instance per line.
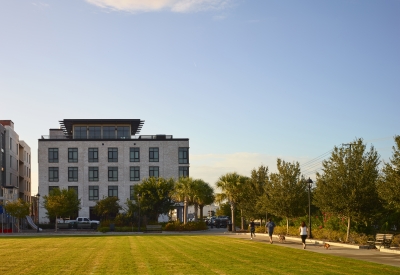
[252, 229]
[303, 233]
[270, 226]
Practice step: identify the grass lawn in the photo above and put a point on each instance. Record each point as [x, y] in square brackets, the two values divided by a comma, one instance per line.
[168, 254]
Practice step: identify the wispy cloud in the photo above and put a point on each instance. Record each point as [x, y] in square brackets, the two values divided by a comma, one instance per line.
[182, 6]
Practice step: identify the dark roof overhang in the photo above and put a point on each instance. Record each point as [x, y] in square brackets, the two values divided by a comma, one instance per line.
[67, 124]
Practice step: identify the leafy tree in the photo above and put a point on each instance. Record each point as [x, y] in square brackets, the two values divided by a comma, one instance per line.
[155, 196]
[389, 183]
[18, 209]
[255, 201]
[231, 185]
[107, 208]
[61, 203]
[347, 186]
[286, 191]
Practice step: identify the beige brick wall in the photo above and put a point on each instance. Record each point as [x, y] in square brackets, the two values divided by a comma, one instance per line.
[168, 166]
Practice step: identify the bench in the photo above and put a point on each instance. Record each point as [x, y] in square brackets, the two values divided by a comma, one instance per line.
[64, 226]
[153, 228]
[382, 240]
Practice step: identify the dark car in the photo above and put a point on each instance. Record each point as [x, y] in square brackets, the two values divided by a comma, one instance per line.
[221, 222]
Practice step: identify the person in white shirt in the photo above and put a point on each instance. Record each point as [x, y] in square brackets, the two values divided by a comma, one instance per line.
[303, 233]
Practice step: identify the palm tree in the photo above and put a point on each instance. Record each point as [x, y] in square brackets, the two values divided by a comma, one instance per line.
[204, 195]
[231, 185]
[184, 193]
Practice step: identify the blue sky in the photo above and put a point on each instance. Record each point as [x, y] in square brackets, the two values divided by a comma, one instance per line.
[246, 81]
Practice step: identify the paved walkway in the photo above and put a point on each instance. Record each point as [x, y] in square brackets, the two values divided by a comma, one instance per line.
[382, 256]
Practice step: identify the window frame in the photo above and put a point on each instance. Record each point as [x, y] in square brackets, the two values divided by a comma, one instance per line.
[183, 170]
[93, 154]
[52, 171]
[154, 154]
[72, 172]
[136, 173]
[135, 152]
[112, 154]
[93, 193]
[93, 173]
[114, 173]
[183, 155]
[153, 170]
[72, 155]
[113, 189]
[53, 155]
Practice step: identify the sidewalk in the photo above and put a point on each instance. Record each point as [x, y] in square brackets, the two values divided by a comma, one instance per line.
[383, 256]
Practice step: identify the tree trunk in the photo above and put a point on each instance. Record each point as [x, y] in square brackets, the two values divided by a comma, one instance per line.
[196, 210]
[185, 209]
[348, 229]
[241, 219]
[201, 211]
[287, 226]
[233, 216]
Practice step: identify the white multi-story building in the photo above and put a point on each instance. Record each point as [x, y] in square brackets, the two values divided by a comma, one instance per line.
[106, 157]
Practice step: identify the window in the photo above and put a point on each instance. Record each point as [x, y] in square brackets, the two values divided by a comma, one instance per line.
[134, 154]
[75, 188]
[53, 155]
[93, 155]
[112, 154]
[72, 154]
[94, 132]
[131, 193]
[72, 173]
[123, 132]
[51, 188]
[112, 173]
[183, 155]
[93, 173]
[53, 174]
[113, 191]
[183, 171]
[153, 154]
[135, 173]
[109, 132]
[80, 132]
[93, 193]
[153, 171]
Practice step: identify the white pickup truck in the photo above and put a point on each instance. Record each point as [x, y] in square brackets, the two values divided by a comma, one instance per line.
[85, 220]
[84, 223]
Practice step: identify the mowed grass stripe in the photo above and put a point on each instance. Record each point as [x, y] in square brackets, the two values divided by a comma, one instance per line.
[168, 254]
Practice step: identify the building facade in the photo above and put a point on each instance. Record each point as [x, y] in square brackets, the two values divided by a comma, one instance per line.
[15, 172]
[100, 158]
[15, 164]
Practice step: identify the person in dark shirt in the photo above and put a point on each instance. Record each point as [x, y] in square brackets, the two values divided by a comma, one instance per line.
[252, 229]
[270, 226]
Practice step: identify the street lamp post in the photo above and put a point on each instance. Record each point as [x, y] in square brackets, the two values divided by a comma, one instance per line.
[310, 182]
[139, 212]
[37, 200]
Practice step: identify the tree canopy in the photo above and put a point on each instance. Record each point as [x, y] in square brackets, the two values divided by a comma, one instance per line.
[107, 208]
[286, 191]
[61, 203]
[18, 209]
[155, 196]
[389, 183]
[347, 185]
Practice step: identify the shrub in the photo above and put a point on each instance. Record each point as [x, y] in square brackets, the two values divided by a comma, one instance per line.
[104, 229]
[190, 226]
